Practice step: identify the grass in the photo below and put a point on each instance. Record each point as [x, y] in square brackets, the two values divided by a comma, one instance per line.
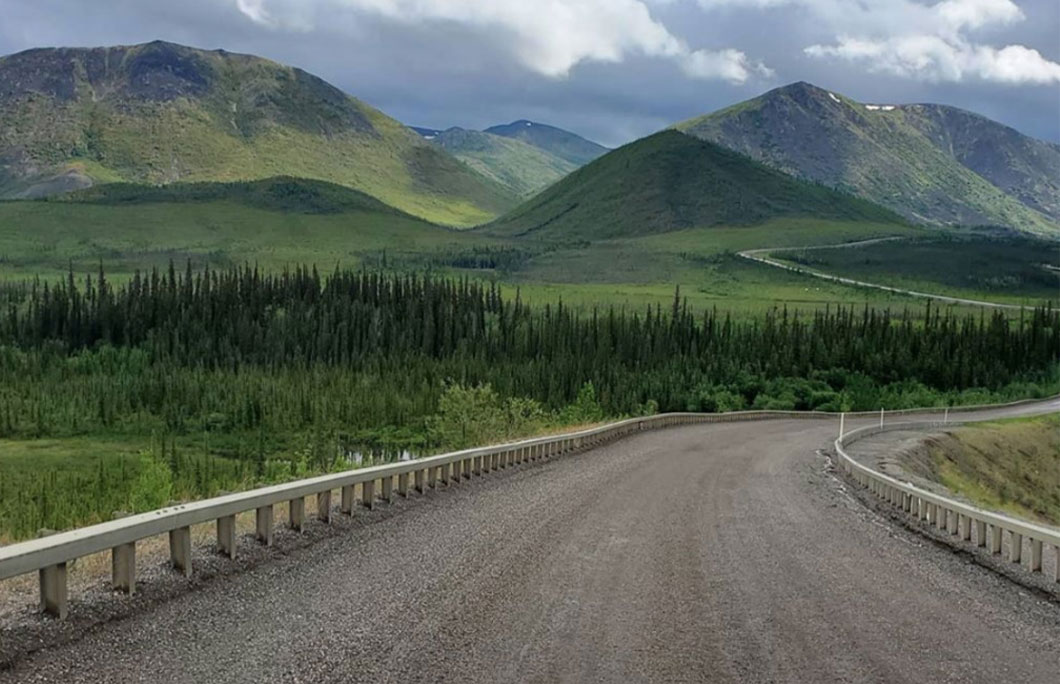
[48, 238]
[1010, 270]
[70, 463]
[1009, 465]
[284, 223]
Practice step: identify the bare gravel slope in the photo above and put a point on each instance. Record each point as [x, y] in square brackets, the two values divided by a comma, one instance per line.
[710, 553]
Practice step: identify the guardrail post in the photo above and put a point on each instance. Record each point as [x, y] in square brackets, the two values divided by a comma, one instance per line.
[403, 485]
[964, 527]
[368, 494]
[324, 506]
[980, 533]
[264, 527]
[456, 471]
[53, 597]
[995, 539]
[388, 489]
[1056, 557]
[296, 513]
[346, 505]
[1036, 556]
[1015, 547]
[226, 535]
[180, 549]
[420, 478]
[123, 568]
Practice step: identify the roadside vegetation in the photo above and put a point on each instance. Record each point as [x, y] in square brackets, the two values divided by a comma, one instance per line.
[182, 384]
[1010, 465]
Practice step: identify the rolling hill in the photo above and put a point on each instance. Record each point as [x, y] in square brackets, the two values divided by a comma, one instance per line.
[160, 113]
[670, 181]
[517, 165]
[563, 144]
[930, 163]
[274, 223]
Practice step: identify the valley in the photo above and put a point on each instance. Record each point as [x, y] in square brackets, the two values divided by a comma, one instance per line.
[218, 272]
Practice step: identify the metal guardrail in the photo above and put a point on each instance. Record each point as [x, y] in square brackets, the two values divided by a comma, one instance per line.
[49, 555]
[966, 522]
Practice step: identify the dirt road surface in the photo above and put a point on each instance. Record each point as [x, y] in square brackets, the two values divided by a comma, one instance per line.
[710, 553]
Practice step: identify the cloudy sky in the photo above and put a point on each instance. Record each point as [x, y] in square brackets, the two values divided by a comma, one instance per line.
[612, 70]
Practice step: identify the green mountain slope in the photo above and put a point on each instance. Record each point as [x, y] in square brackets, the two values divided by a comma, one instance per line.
[521, 167]
[670, 181]
[1024, 167]
[284, 194]
[160, 113]
[274, 223]
[563, 144]
[930, 163]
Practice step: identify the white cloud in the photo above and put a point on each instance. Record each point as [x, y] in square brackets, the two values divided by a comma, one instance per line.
[731, 65]
[923, 40]
[935, 59]
[548, 36]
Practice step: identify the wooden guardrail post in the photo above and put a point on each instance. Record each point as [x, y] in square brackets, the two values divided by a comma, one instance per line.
[123, 568]
[296, 514]
[226, 535]
[368, 494]
[264, 526]
[324, 506]
[180, 549]
[53, 596]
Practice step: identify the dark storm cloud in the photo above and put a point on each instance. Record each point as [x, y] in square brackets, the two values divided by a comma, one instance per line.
[612, 70]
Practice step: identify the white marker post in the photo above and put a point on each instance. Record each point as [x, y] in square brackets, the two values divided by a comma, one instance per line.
[881, 416]
[842, 421]
[946, 415]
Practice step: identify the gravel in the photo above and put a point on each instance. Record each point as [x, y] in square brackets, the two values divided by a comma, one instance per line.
[725, 552]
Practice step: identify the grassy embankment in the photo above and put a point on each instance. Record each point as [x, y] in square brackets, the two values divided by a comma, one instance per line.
[1009, 465]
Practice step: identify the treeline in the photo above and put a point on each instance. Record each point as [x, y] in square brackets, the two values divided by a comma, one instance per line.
[227, 379]
[363, 349]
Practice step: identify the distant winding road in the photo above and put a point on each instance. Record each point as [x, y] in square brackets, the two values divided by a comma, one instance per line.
[762, 257]
[711, 553]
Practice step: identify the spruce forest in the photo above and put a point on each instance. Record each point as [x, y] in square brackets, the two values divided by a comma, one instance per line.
[240, 377]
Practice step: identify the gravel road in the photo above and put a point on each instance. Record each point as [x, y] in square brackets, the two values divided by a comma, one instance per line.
[712, 553]
[762, 256]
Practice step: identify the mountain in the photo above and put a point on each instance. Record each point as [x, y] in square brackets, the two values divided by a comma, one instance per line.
[929, 162]
[516, 165]
[159, 113]
[563, 144]
[670, 181]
